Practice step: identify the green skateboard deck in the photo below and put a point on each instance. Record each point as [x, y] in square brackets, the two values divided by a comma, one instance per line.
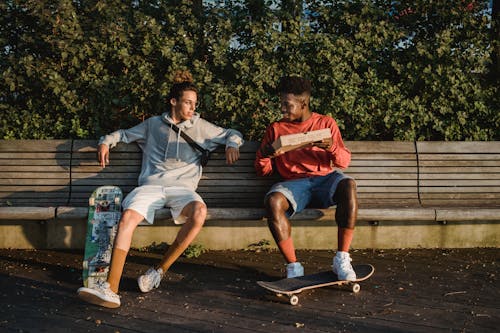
[102, 225]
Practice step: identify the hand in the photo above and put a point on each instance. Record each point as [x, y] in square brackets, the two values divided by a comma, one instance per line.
[325, 143]
[232, 155]
[103, 155]
[268, 151]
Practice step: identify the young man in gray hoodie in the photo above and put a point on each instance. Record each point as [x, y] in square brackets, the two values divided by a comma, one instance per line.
[171, 170]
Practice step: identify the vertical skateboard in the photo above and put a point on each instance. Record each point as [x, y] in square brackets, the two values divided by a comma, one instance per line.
[102, 224]
[293, 286]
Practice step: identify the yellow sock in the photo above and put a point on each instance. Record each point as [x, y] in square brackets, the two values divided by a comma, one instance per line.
[118, 258]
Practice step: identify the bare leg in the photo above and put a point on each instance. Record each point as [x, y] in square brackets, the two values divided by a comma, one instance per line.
[279, 225]
[196, 213]
[129, 220]
[346, 212]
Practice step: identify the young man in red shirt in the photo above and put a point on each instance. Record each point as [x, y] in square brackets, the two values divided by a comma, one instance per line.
[309, 176]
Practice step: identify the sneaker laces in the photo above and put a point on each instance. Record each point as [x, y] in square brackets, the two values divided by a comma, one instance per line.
[153, 277]
[103, 287]
[345, 263]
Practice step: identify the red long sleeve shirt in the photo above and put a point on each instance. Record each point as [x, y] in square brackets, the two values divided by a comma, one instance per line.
[305, 162]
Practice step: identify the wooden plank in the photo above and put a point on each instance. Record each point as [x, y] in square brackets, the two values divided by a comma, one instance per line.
[27, 213]
[450, 191]
[381, 169]
[34, 202]
[380, 147]
[465, 196]
[471, 214]
[33, 195]
[105, 175]
[382, 176]
[483, 183]
[468, 169]
[33, 181]
[14, 146]
[39, 175]
[375, 183]
[35, 156]
[381, 156]
[389, 163]
[112, 164]
[460, 147]
[397, 214]
[460, 163]
[113, 156]
[125, 168]
[12, 162]
[459, 176]
[458, 203]
[103, 181]
[385, 189]
[35, 189]
[453, 157]
[32, 168]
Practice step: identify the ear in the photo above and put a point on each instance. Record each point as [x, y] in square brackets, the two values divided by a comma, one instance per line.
[173, 101]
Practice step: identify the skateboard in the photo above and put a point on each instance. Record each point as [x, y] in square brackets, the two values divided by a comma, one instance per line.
[102, 224]
[293, 286]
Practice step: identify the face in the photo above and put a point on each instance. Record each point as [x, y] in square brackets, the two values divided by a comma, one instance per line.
[294, 108]
[183, 108]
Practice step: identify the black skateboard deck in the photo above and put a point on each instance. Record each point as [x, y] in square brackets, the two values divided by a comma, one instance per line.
[291, 287]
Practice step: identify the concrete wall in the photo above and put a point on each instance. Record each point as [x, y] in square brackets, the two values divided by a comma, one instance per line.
[220, 235]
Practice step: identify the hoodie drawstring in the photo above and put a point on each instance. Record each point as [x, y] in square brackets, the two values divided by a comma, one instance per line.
[178, 137]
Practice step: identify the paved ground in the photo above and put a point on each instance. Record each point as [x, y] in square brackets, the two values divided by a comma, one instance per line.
[411, 291]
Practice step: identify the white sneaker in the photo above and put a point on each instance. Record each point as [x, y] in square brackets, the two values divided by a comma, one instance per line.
[342, 266]
[149, 280]
[100, 295]
[294, 269]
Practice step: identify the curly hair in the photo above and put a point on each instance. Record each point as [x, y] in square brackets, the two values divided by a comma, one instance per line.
[183, 81]
[294, 85]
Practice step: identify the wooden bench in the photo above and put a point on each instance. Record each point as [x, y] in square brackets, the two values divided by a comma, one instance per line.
[424, 194]
[431, 181]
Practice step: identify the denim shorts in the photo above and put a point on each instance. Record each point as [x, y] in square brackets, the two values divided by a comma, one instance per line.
[314, 192]
[147, 199]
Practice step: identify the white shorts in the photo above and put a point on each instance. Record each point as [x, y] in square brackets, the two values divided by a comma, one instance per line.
[148, 198]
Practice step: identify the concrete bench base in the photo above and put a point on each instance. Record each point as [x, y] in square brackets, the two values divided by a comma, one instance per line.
[239, 234]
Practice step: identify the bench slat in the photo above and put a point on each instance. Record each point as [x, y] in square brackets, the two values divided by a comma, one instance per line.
[461, 147]
[15, 146]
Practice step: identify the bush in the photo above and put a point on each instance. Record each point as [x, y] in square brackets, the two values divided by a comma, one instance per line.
[385, 70]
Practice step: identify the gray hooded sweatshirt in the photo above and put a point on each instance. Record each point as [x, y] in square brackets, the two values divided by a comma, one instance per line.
[167, 159]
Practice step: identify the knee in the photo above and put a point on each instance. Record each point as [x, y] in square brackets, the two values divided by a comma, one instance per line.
[347, 192]
[198, 213]
[129, 220]
[276, 202]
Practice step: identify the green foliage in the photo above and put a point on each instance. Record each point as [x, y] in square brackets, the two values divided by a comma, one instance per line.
[384, 70]
[263, 245]
[194, 251]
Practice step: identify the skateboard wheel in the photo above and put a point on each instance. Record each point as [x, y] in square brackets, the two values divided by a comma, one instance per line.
[85, 264]
[91, 201]
[294, 300]
[356, 288]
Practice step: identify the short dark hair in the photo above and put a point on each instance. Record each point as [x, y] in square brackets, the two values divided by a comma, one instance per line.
[294, 85]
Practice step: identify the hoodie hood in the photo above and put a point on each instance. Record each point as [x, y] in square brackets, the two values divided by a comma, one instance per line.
[184, 124]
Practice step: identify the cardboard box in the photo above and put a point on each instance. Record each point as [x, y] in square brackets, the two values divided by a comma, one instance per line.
[294, 141]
